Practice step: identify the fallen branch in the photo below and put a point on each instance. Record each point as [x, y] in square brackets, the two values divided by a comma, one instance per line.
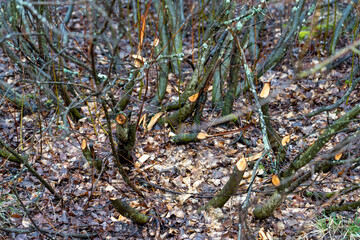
[127, 211]
[328, 195]
[344, 207]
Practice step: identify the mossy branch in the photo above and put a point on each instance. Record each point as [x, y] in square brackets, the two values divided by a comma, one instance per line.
[226, 192]
[127, 211]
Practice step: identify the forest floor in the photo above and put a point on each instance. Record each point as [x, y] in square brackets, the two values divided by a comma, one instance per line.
[177, 179]
[184, 176]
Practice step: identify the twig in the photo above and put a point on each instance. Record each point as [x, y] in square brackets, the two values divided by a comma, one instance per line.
[250, 78]
[94, 184]
[245, 204]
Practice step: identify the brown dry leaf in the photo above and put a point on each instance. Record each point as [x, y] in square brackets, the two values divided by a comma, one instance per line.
[121, 218]
[260, 172]
[290, 115]
[134, 204]
[338, 156]
[179, 213]
[168, 89]
[275, 180]
[103, 62]
[197, 183]
[194, 97]
[83, 144]
[247, 174]
[137, 63]
[187, 181]
[231, 152]
[241, 164]
[269, 236]
[281, 226]
[285, 140]
[183, 197]
[109, 188]
[138, 60]
[142, 159]
[137, 165]
[156, 42]
[262, 234]
[15, 215]
[202, 135]
[143, 121]
[255, 156]
[265, 91]
[26, 222]
[153, 120]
